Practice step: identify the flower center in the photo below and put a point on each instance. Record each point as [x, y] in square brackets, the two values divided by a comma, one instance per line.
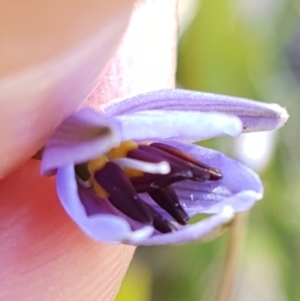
[133, 168]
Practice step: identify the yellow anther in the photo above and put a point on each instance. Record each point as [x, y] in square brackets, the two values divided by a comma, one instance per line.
[122, 150]
[97, 164]
[94, 166]
[130, 172]
[99, 190]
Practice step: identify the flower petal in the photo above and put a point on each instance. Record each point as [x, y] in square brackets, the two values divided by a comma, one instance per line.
[240, 187]
[256, 116]
[96, 220]
[81, 137]
[190, 233]
[191, 126]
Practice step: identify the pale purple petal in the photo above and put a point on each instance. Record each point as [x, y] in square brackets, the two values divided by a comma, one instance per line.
[97, 223]
[190, 233]
[188, 126]
[256, 116]
[81, 137]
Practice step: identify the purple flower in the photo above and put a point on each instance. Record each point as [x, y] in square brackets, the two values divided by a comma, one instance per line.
[131, 174]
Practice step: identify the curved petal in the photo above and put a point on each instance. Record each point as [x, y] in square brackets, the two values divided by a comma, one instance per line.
[190, 126]
[81, 137]
[94, 220]
[240, 187]
[256, 116]
[190, 233]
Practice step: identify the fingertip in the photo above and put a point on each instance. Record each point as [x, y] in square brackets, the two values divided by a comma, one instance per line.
[51, 68]
[44, 255]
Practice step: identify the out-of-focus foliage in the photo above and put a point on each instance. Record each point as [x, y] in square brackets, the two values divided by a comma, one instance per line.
[137, 284]
[248, 48]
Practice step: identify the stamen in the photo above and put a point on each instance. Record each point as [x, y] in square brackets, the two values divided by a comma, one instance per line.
[167, 199]
[122, 194]
[214, 173]
[99, 190]
[97, 164]
[162, 225]
[149, 181]
[162, 167]
[122, 150]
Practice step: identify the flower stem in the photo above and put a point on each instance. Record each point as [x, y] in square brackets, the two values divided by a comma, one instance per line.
[231, 264]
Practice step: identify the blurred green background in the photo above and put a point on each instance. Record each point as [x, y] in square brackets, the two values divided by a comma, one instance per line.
[247, 48]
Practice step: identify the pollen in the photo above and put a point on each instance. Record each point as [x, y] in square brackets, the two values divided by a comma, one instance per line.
[93, 166]
[130, 172]
[122, 150]
[99, 190]
[97, 164]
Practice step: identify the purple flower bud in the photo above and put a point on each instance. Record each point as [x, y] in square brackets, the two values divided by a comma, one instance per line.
[131, 173]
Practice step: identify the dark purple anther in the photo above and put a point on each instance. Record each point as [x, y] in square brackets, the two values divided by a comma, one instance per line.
[179, 165]
[167, 199]
[161, 224]
[122, 194]
[215, 174]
